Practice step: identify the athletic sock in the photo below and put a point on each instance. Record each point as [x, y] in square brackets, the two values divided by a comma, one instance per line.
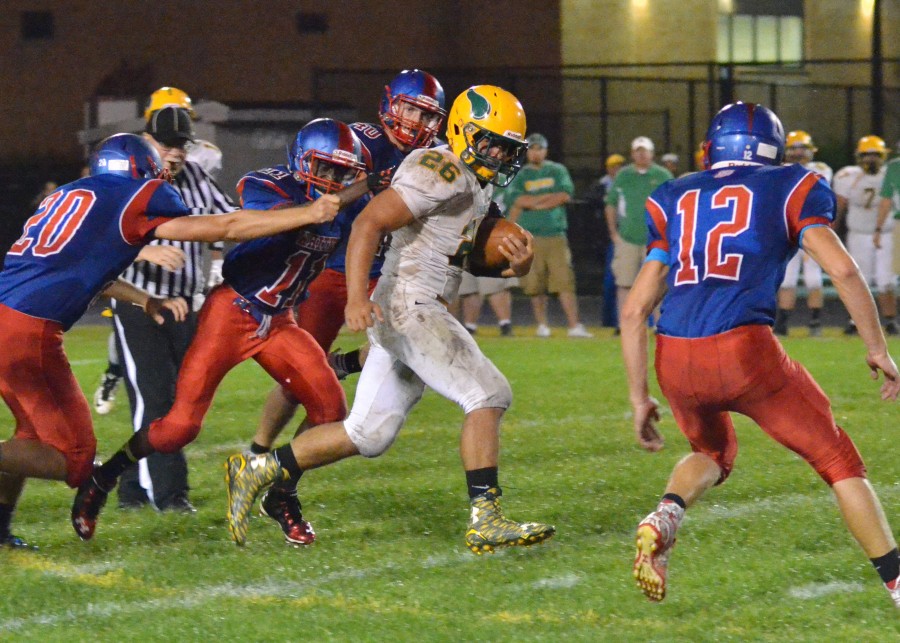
[6, 514]
[674, 497]
[136, 448]
[348, 362]
[814, 316]
[257, 448]
[888, 566]
[114, 370]
[480, 480]
[284, 455]
[782, 317]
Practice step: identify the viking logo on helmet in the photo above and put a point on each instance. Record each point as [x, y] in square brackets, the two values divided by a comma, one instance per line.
[480, 107]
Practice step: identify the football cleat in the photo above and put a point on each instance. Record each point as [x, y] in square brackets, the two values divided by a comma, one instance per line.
[246, 474]
[506, 329]
[542, 331]
[105, 395]
[655, 539]
[89, 500]
[893, 588]
[14, 542]
[489, 528]
[284, 508]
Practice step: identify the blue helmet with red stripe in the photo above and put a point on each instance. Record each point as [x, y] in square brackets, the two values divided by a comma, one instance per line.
[126, 155]
[745, 132]
[412, 107]
[326, 155]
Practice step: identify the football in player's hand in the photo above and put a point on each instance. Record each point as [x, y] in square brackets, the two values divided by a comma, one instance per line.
[486, 257]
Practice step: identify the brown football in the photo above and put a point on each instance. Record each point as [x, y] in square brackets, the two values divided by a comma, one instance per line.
[485, 257]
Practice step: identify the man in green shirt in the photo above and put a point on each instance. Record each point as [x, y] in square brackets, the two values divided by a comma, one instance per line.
[890, 205]
[625, 201]
[537, 198]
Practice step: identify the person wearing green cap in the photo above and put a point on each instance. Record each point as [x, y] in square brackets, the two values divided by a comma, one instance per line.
[537, 198]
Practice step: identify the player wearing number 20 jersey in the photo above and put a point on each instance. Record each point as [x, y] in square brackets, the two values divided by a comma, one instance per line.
[250, 314]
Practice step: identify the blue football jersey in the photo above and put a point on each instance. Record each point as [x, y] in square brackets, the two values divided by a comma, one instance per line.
[383, 156]
[273, 272]
[727, 235]
[79, 240]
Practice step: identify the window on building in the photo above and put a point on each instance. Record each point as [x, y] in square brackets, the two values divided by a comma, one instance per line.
[762, 31]
[312, 23]
[36, 25]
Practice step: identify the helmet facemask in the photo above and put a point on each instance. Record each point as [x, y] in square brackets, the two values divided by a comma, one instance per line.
[493, 157]
[327, 173]
[414, 121]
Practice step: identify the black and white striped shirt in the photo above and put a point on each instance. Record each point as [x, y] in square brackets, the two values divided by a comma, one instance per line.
[203, 196]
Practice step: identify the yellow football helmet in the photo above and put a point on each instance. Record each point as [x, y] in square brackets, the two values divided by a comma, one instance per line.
[482, 119]
[872, 145]
[169, 97]
[799, 138]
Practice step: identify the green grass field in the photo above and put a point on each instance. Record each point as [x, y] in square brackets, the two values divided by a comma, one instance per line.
[766, 557]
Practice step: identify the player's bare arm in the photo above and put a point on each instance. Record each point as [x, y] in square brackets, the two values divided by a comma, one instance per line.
[244, 225]
[383, 214]
[645, 295]
[519, 254]
[884, 209]
[612, 222]
[823, 245]
[169, 257]
[550, 200]
[153, 306]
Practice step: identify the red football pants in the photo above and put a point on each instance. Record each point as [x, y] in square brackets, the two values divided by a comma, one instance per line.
[38, 386]
[746, 370]
[226, 337]
[322, 313]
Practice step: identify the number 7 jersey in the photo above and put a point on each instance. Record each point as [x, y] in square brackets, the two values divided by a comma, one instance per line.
[727, 235]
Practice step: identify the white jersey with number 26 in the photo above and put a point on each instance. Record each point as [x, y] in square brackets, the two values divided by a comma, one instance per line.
[447, 202]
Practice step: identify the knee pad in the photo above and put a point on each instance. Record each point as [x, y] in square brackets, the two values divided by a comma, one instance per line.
[497, 395]
[377, 436]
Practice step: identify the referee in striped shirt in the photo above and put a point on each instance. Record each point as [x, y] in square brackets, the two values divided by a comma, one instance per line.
[151, 354]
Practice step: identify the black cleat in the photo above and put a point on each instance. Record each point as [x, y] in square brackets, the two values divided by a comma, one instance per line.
[87, 505]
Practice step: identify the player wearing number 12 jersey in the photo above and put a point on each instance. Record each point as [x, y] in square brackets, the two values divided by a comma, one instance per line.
[719, 243]
[250, 315]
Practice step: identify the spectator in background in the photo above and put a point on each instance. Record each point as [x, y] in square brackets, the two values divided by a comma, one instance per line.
[473, 290]
[537, 200]
[889, 209]
[625, 212]
[670, 162]
[596, 198]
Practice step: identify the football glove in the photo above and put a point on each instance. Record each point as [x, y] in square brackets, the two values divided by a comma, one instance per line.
[378, 181]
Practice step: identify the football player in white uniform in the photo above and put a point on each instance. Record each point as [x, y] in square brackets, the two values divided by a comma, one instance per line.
[436, 200]
[858, 189]
[799, 148]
